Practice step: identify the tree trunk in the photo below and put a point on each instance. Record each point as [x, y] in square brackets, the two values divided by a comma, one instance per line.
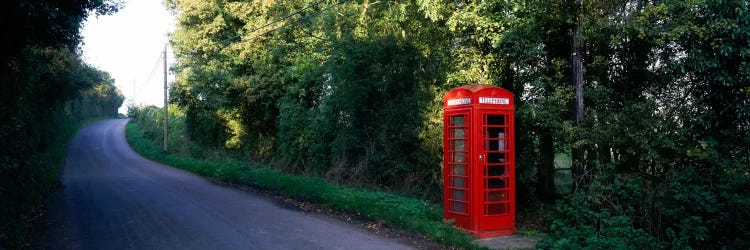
[576, 66]
[545, 175]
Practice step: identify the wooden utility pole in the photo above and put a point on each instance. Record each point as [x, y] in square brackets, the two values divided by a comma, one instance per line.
[166, 120]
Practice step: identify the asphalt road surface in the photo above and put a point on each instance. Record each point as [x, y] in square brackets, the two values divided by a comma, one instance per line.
[112, 198]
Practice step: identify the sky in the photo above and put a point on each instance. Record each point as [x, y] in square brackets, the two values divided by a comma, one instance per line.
[127, 44]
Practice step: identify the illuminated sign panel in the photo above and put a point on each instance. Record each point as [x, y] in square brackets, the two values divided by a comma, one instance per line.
[460, 101]
[493, 100]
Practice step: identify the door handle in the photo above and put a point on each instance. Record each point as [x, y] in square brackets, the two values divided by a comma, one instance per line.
[480, 157]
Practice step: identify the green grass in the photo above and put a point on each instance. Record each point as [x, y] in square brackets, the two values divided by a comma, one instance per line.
[416, 216]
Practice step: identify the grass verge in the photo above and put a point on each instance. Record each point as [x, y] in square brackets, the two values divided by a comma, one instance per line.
[414, 215]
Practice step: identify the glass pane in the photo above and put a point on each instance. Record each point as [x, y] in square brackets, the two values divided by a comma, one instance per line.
[459, 195]
[497, 196]
[496, 132]
[495, 183]
[459, 157]
[459, 133]
[459, 170]
[495, 170]
[495, 158]
[492, 209]
[459, 145]
[495, 120]
[457, 120]
[458, 207]
[459, 182]
[494, 145]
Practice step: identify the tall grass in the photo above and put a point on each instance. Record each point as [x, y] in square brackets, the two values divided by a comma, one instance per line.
[414, 215]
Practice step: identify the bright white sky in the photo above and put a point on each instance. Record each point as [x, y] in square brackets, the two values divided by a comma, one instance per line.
[127, 44]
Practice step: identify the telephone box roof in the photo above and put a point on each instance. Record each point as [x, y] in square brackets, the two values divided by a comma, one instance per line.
[478, 94]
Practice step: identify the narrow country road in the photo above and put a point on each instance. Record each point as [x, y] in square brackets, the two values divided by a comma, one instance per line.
[112, 198]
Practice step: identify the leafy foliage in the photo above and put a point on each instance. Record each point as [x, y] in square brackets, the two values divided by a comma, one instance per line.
[664, 97]
[350, 91]
[341, 79]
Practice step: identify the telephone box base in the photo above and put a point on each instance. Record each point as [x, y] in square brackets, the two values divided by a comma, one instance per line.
[493, 233]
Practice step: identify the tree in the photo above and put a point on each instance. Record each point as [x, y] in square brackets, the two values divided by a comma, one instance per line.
[43, 79]
[351, 91]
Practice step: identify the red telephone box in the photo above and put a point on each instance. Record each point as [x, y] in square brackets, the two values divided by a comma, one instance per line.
[479, 161]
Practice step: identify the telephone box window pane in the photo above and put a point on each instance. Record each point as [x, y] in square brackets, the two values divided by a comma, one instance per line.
[495, 183]
[495, 120]
[458, 207]
[492, 209]
[495, 158]
[459, 195]
[494, 145]
[459, 157]
[457, 120]
[497, 196]
[459, 182]
[459, 145]
[459, 133]
[496, 132]
[495, 170]
[459, 170]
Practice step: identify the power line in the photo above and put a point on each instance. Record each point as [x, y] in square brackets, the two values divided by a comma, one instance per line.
[151, 74]
[298, 20]
[154, 68]
[287, 16]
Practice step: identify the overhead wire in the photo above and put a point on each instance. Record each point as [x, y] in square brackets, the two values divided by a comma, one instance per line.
[300, 19]
[138, 84]
[156, 65]
[285, 17]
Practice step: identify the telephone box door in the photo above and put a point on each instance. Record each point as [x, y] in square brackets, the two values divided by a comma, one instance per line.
[458, 202]
[496, 161]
